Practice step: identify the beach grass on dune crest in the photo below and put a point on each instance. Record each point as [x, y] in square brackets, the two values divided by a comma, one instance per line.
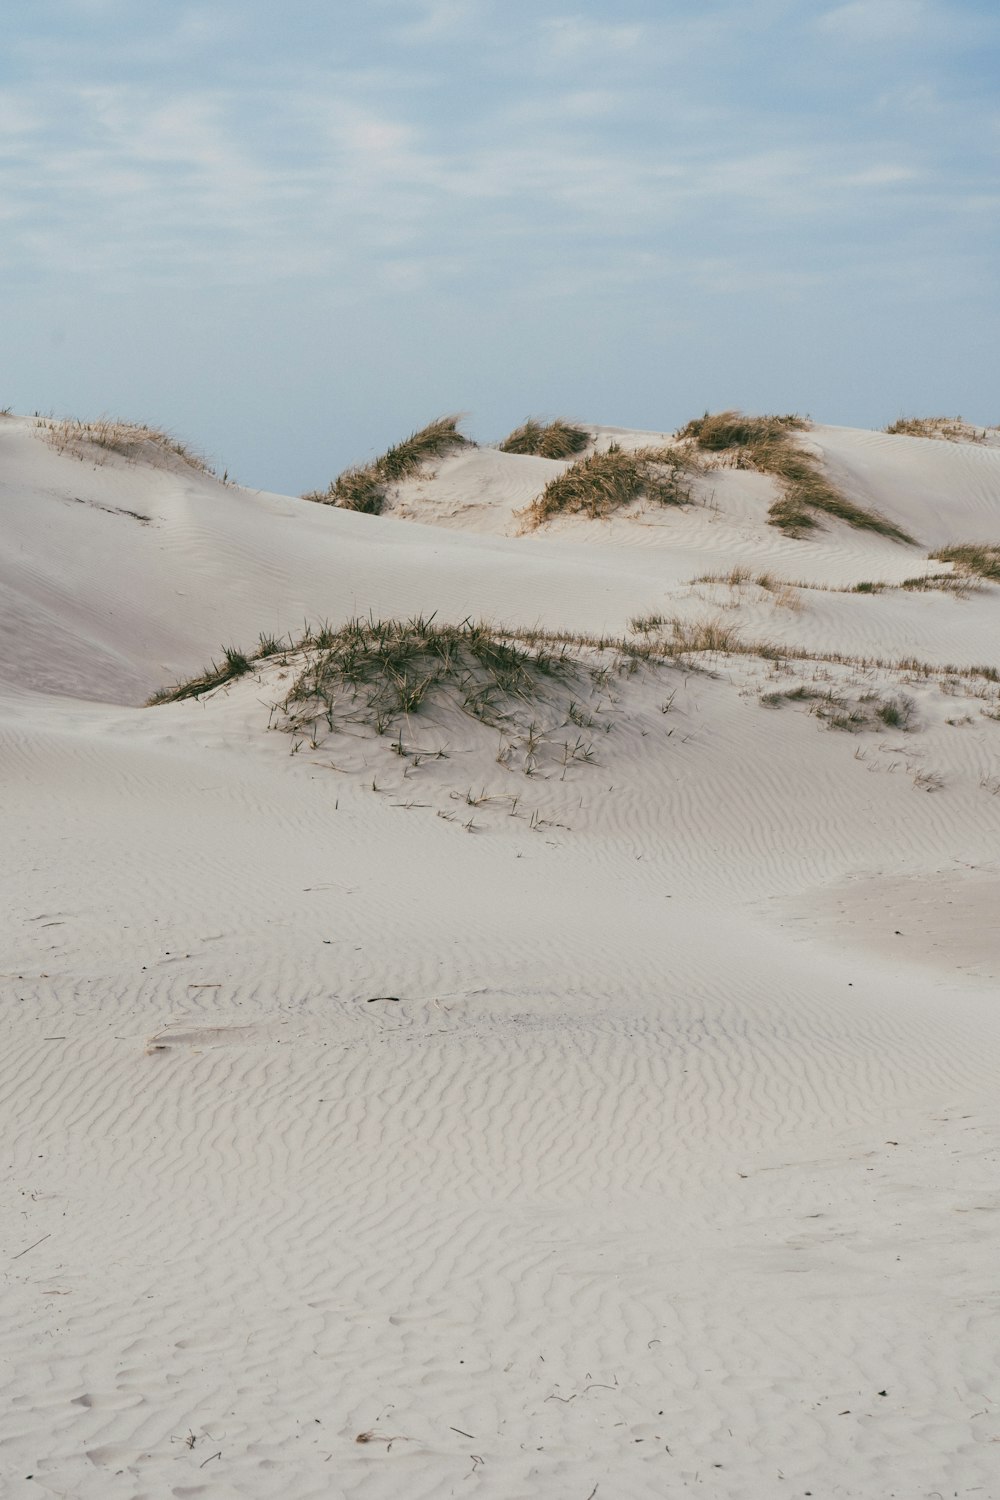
[766, 445]
[556, 439]
[603, 483]
[365, 487]
[716, 432]
[135, 441]
[946, 429]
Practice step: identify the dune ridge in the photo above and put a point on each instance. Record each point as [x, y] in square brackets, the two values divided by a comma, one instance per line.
[390, 1115]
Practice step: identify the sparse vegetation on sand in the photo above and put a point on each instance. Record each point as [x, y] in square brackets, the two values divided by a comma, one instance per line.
[947, 429]
[546, 439]
[765, 444]
[784, 595]
[531, 687]
[973, 559]
[134, 441]
[603, 483]
[380, 670]
[402, 664]
[234, 663]
[838, 711]
[544, 699]
[365, 487]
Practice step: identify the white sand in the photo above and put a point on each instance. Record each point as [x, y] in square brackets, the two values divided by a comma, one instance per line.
[673, 1168]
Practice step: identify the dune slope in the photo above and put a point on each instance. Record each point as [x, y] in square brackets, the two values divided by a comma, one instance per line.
[593, 1097]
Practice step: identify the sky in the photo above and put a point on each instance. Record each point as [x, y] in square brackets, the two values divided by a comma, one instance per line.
[293, 233]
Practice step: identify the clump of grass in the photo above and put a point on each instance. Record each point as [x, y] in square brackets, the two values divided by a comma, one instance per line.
[764, 444]
[384, 669]
[800, 694]
[271, 645]
[717, 431]
[556, 439]
[710, 635]
[784, 595]
[599, 485]
[895, 713]
[837, 711]
[361, 488]
[136, 442]
[976, 559]
[365, 487]
[735, 578]
[646, 624]
[235, 663]
[947, 429]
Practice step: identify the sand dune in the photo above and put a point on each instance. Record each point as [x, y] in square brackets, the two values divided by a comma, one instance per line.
[383, 1123]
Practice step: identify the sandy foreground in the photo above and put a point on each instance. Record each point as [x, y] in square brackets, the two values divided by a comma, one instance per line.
[385, 1124]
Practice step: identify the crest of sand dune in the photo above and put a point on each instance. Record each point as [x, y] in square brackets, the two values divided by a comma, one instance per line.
[525, 1021]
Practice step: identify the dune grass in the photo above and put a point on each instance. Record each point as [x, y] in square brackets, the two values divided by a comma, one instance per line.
[603, 483]
[765, 444]
[556, 439]
[365, 487]
[972, 559]
[375, 672]
[136, 442]
[838, 711]
[717, 431]
[397, 665]
[234, 664]
[381, 670]
[946, 429]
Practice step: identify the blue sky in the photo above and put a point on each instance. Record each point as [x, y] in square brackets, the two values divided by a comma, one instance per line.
[293, 233]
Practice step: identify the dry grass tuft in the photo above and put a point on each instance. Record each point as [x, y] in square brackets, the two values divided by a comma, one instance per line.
[605, 482]
[784, 595]
[547, 439]
[946, 429]
[134, 441]
[764, 444]
[365, 487]
[710, 635]
[234, 664]
[971, 559]
[717, 431]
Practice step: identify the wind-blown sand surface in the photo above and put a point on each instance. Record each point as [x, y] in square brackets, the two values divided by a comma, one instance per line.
[637, 1137]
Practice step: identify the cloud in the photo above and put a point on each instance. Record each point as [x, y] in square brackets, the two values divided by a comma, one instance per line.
[437, 20]
[388, 170]
[578, 38]
[861, 22]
